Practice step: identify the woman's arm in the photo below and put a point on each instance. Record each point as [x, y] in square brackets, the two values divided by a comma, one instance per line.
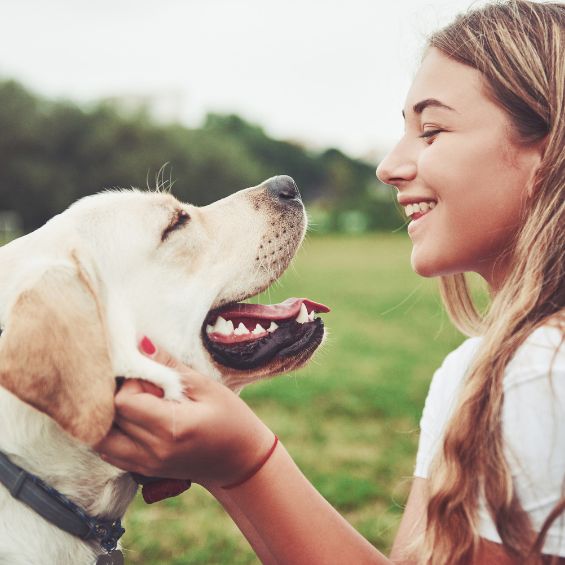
[292, 519]
[245, 526]
[213, 438]
[413, 524]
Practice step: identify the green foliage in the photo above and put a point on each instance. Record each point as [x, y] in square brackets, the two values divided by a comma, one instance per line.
[54, 152]
[349, 419]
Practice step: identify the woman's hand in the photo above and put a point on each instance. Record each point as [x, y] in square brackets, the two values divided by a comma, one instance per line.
[210, 437]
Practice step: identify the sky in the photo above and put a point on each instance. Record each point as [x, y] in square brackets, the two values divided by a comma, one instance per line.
[323, 73]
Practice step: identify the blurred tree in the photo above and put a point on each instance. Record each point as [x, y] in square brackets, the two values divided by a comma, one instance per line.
[53, 152]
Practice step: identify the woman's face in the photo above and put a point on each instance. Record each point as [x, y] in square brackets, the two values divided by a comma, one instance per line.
[460, 177]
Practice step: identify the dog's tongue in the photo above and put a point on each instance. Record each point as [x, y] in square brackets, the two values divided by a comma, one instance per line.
[283, 311]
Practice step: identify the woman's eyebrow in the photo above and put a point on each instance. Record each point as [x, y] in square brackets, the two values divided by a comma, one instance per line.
[419, 107]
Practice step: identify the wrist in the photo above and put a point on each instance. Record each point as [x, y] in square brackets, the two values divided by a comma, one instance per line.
[255, 469]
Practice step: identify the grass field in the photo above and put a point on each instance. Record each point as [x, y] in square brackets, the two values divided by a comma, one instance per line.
[349, 419]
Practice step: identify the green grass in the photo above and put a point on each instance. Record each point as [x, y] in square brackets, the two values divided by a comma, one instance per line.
[349, 419]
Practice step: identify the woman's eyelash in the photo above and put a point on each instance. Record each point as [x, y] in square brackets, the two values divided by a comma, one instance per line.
[430, 133]
[181, 218]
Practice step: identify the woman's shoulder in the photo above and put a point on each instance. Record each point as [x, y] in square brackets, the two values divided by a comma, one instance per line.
[448, 378]
[456, 363]
[464, 353]
[541, 354]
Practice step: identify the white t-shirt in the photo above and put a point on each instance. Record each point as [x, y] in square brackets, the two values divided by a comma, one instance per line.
[533, 426]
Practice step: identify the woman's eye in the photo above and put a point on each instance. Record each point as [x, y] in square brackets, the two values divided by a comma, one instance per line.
[181, 218]
[430, 134]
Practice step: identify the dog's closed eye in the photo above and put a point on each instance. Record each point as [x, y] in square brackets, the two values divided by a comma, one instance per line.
[180, 218]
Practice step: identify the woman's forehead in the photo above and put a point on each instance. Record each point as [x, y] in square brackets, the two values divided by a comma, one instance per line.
[451, 86]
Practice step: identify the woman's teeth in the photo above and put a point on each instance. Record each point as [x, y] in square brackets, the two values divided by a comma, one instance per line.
[419, 208]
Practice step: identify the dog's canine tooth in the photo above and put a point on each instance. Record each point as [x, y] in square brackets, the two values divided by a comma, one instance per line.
[259, 329]
[302, 317]
[311, 316]
[209, 329]
[272, 327]
[241, 329]
[223, 327]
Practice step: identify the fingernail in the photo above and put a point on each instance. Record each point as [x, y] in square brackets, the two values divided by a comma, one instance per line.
[147, 346]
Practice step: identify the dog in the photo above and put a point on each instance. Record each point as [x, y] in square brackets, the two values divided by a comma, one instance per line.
[76, 297]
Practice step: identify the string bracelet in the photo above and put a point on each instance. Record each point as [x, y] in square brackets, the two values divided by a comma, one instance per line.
[255, 469]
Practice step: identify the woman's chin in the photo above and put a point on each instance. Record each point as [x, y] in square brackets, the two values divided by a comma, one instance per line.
[422, 266]
[429, 267]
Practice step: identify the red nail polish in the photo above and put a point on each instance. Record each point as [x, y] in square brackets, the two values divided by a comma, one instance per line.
[147, 346]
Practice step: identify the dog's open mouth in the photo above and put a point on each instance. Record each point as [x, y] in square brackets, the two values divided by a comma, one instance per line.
[247, 336]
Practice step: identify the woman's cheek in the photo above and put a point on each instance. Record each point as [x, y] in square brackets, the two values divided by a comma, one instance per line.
[437, 167]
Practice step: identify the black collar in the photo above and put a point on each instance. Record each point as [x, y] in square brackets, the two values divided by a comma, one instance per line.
[57, 508]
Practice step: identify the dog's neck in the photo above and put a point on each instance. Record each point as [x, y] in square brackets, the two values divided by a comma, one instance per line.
[40, 447]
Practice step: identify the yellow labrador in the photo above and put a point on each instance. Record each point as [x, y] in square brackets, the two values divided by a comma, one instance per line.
[77, 295]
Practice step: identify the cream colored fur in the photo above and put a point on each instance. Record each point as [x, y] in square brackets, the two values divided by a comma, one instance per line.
[76, 296]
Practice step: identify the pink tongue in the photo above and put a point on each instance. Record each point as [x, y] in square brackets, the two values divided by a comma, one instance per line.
[283, 311]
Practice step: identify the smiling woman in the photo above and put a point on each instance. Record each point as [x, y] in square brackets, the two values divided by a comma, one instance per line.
[450, 118]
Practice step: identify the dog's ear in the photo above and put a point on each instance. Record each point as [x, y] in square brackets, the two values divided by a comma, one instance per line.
[54, 353]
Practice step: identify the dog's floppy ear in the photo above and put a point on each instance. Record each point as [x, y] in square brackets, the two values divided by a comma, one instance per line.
[54, 354]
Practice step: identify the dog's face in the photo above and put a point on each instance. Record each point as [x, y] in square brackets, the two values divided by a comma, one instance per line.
[120, 265]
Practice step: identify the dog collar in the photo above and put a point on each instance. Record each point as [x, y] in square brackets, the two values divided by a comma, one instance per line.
[57, 508]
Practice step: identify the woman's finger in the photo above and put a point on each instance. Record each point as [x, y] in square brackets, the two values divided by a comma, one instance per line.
[147, 410]
[125, 464]
[149, 438]
[119, 446]
[192, 380]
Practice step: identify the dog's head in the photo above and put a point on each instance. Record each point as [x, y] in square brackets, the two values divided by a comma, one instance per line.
[77, 295]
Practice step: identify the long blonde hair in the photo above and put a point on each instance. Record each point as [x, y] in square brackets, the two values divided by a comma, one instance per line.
[519, 47]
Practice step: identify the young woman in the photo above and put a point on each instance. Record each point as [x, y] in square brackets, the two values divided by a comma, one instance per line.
[481, 172]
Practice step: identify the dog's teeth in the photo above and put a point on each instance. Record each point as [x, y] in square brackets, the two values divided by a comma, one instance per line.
[311, 316]
[302, 317]
[223, 327]
[272, 327]
[209, 329]
[259, 329]
[241, 329]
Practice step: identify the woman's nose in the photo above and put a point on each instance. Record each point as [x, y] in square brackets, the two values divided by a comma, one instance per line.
[398, 166]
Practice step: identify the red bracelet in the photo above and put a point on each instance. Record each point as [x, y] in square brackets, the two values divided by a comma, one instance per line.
[255, 469]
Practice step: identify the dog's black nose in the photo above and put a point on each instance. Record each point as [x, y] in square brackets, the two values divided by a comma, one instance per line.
[283, 188]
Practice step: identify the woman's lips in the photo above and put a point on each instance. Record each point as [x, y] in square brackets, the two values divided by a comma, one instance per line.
[417, 219]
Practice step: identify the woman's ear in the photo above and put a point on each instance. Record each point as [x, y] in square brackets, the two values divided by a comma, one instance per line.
[54, 353]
